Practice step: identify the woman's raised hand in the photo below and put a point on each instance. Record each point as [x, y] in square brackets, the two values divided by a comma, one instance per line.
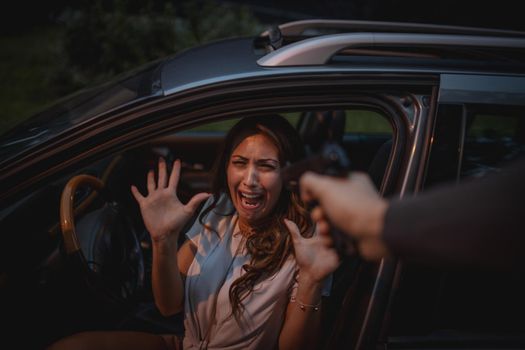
[163, 213]
[315, 256]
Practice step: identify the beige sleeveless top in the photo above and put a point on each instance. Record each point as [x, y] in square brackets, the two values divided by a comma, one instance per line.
[217, 263]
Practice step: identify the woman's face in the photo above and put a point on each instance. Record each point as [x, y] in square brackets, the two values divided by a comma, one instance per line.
[254, 177]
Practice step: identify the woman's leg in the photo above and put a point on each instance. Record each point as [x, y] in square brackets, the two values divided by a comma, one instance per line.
[113, 340]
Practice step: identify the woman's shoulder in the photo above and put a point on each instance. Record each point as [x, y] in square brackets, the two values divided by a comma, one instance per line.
[216, 212]
[224, 205]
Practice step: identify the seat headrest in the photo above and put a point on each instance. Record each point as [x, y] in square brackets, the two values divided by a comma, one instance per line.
[318, 127]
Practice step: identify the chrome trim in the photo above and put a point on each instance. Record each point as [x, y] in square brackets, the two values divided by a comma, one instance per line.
[299, 27]
[417, 137]
[318, 50]
[463, 136]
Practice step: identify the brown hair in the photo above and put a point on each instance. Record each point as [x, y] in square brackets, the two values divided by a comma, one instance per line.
[269, 245]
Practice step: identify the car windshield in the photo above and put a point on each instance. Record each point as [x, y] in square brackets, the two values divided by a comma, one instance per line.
[78, 108]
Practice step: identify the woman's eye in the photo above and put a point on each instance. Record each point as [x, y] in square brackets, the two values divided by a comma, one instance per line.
[268, 166]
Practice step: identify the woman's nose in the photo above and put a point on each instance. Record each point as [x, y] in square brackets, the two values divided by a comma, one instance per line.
[251, 176]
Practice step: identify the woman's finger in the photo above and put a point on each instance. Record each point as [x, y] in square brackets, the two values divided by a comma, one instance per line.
[194, 202]
[151, 181]
[174, 176]
[294, 230]
[162, 173]
[135, 192]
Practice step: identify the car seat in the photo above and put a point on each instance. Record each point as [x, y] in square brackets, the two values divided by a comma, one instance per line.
[317, 127]
[377, 167]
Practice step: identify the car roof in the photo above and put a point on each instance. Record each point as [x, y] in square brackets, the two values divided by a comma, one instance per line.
[325, 45]
[318, 42]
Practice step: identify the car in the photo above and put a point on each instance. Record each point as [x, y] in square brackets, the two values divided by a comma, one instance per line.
[413, 105]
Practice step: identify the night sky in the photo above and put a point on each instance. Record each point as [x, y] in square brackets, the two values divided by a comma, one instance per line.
[504, 14]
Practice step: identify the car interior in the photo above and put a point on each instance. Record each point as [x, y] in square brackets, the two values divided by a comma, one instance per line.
[105, 284]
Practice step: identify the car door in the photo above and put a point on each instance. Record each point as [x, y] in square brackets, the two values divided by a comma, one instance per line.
[359, 290]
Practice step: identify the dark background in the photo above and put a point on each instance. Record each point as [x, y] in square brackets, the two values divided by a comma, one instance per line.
[493, 14]
[21, 15]
[51, 48]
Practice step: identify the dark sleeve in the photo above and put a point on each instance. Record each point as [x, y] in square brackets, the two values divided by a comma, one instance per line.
[477, 223]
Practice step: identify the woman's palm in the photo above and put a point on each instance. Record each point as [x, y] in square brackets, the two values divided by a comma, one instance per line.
[315, 255]
[162, 211]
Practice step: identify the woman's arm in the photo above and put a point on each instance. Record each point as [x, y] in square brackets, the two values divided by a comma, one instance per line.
[164, 216]
[168, 272]
[303, 315]
[316, 260]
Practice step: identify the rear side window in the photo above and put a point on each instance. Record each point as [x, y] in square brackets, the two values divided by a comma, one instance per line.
[492, 138]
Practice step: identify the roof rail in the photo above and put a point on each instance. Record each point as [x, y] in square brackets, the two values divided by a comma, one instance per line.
[318, 50]
[304, 26]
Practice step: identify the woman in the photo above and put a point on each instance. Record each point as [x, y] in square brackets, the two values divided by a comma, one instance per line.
[246, 277]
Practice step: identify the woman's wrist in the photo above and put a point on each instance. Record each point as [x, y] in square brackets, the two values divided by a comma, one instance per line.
[167, 243]
[166, 236]
[309, 281]
[308, 289]
[308, 293]
[304, 306]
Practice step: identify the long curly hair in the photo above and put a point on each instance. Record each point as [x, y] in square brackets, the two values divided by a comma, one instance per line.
[269, 244]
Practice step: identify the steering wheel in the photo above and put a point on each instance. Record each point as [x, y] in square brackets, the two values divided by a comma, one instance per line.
[103, 246]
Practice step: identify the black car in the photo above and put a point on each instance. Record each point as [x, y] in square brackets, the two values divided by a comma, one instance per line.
[413, 105]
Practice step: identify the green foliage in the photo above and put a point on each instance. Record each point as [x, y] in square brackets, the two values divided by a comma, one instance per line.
[27, 74]
[95, 40]
[366, 121]
[103, 41]
[493, 126]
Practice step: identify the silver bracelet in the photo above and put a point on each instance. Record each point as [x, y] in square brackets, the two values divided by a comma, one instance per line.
[303, 306]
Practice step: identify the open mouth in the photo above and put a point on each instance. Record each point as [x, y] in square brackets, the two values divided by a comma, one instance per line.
[251, 201]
